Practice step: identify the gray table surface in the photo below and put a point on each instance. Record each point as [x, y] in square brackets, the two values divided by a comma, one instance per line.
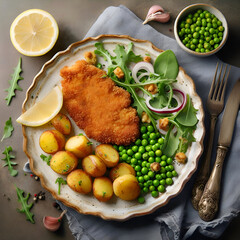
[74, 17]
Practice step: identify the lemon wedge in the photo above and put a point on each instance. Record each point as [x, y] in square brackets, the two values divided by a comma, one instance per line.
[34, 32]
[44, 110]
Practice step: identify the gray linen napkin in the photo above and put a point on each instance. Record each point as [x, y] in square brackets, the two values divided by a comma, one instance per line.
[178, 219]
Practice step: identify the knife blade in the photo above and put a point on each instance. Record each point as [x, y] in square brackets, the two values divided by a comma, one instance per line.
[229, 116]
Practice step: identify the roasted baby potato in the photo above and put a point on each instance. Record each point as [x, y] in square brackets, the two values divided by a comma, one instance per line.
[62, 123]
[52, 141]
[79, 181]
[126, 187]
[120, 170]
[79, 145]
[94, 166]
[63, 162]
[108, 154]
[102, 189]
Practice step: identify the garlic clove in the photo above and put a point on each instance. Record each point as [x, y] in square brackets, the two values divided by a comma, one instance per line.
[52, 223]
[157, 13]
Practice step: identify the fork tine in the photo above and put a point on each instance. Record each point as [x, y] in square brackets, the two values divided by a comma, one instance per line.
[213, 83]
[217, 84]
[221, 84]
[225, 84]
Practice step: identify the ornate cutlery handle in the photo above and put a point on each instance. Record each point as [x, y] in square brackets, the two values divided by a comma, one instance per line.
[204, 171]
[208, 205]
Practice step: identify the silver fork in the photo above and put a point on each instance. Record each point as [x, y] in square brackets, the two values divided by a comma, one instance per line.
[215, 105]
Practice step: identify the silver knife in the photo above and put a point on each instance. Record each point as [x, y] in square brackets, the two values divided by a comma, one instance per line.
[208, 204]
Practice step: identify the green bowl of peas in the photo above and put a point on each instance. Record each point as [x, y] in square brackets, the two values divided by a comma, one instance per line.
[201, 30]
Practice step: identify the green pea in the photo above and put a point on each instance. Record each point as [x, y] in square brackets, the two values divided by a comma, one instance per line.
[169, 181]
[161, 188]
[158, 153]
[137, 168]
[151, 188]
[219, 23]
[153, 136]
[164, 157]
[151, 174]
[151, 153]
[120, 148]
[115, 146]
[158, 159]
[202, 50]
[204, 23]
[163, 182]
[163, 163]
[144, 163]
[174, 173]
[207, 45]
[141, 199]
[148, 148]
[162, 169]
[149, 183]
[145, 136]
[141, 149]
[208, 39]
[163, 175]
[151, 159]
[190, 15]
[134, 161]
[214, 25]
[144, 142]
[124, 157]
[146, 177]
[221, 28]
[144, 170]
[216, 45]
[145, 189]
[143, 129]
[141, 179]
[169, 175]
[189, 21]
[212, 42]
[138, 155]
[167, 169]
[171, 167]
[212, 30]
[135, 148]
[169, 160]
[145, 156]
[154, 194]
[150, 128]
[195, 41]
[156, 182]
[158, 176]
[154, 148]
[148, 165]
[138, 142]
[130, 152]
[220, 34]
[152, 141]
[216, 40]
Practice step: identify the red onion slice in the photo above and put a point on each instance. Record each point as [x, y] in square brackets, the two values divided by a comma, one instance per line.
[167, 110]
[142, 66]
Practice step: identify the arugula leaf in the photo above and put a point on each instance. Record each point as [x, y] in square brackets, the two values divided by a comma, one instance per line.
[25, 206]
[166, 63]
[8, 128]
[171, 142]
[60, 182]
[46, 158]
[14, 82]
[186, 139]
[9, 163]
[101, 51]
[187, 116]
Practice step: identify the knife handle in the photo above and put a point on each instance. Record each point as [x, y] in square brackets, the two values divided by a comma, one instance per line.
[204, 171]
[208, 204]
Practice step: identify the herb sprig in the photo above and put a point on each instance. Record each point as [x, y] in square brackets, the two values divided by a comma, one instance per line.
[14, 82]
[9, 163]
[60, 181]
[8, 129]
[25, 206]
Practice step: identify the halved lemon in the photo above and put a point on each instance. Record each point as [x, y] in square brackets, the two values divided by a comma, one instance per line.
[44, 110]
[34, 32]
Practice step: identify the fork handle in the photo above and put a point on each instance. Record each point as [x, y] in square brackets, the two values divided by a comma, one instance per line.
[208, 204]
[204, 171]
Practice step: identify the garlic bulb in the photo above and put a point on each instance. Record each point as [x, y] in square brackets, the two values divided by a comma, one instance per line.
[157, 13]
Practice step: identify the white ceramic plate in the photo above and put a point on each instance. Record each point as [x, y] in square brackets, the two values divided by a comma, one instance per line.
[116, 209]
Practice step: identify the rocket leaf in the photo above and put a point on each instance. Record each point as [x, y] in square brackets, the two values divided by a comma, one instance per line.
[14, 82]
[25, 206]
[8, 128]
[9, 163]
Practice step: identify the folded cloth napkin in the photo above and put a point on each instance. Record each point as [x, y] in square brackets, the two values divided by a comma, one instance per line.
[178, 219]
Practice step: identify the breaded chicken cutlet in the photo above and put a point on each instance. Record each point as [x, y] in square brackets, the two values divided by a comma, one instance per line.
[97, 105]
